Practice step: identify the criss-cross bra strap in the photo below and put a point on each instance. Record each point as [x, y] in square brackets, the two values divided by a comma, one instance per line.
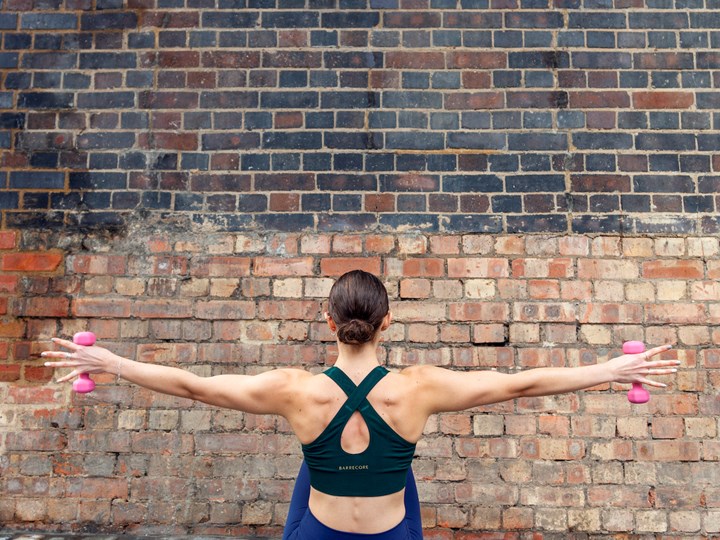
[342, 380]
[356, 394]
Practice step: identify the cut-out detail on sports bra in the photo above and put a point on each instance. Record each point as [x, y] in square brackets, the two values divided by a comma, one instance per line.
[357, 423]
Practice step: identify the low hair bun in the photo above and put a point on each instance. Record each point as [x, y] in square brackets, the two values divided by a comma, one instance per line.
[356, 332]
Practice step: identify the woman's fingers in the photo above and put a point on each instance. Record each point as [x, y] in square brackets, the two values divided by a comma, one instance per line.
[66, 344]
[656, 350]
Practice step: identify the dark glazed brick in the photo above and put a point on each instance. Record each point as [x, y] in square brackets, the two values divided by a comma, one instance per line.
[598, 224]
[45, 100]
[224, 19]
[95, 180]
[286, 222]
[350, 19]
[535, 183]
[422, 222]
[107, 21]
[537, 141]
[37, 180]
[224, 222]
[663, 184]
[9, 200]
[346, 222]
[470, 183]
[108, 60]
[546, 223]
[290, 19]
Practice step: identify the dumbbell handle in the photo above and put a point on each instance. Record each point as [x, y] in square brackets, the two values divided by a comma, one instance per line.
[637, 394]
[84, 384]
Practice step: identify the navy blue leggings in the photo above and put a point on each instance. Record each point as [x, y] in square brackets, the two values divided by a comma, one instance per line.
[302, 525]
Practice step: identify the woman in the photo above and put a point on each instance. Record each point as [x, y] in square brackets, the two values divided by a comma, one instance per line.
[358, 423]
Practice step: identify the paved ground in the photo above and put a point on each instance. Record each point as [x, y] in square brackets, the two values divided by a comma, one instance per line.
[67, 536]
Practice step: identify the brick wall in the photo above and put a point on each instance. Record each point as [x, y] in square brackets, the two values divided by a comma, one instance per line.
[125, 459]
[535, 183]
[486, 115]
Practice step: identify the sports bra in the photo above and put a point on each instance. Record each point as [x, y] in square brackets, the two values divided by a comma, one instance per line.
[380, 469]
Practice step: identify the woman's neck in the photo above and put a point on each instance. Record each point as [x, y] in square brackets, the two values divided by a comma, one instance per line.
[357, 361]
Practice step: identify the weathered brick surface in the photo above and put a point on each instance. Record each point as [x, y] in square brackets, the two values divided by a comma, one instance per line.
[187, 179]
[431, 115]
[126, 459]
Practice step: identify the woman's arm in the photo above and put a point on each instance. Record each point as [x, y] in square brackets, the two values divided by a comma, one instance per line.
[447, 390]
[267, 393]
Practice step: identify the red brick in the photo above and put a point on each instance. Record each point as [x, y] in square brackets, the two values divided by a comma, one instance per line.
[339, 265]
[673, 269]
[544, 357]
[43, 307]
[422, 333]
[12, 329]
[225, 309]
[9, 372]
[381, 202]
[8, 239]
[162, 309]
[675, 313]
[35, 441]
[98, 488]
[344, 243]
[475, 267]
[542, 268]
[289, 309]
[268, 266]
[8, 283]
[415, 288]
[663, 100]
[423, 268]
[98, 264]
[476, 60]
[163, 140]
[284, 202]
[607, 269]
[408, 19]
[38, 374]
[551, 312]
[668, 428]
[590, 100]
[475, 101]
[110, 307]
[600, 183]
[31, 262]
[414, 60]
[170, 19]
[489, 333]
[481, 311]
[476, 79]
[610, 313]
[224, 267]
[379, 243]
[669, 450]
[384, 79]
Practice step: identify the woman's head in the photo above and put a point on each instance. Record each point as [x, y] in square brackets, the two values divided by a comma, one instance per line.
[358, 304]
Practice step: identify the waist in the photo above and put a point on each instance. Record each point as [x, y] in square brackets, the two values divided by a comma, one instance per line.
[359, 515]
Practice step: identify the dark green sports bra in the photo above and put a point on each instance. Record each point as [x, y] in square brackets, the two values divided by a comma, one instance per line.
[380, 469]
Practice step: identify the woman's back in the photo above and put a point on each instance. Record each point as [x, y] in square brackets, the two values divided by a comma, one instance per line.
[320, 398]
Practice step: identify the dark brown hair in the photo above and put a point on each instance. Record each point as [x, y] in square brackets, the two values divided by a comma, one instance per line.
[358, 303]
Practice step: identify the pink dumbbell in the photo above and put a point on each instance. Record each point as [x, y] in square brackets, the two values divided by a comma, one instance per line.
[637, 394]
[84, 384]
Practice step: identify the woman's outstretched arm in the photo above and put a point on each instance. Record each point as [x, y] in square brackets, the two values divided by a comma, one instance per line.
[266, 393]
[448, 390]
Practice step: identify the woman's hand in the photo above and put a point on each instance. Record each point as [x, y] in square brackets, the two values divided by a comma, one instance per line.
[82, 359]
[635, 368]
